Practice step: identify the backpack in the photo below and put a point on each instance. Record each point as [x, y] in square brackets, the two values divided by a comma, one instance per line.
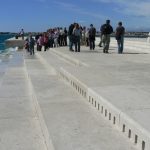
[119, 32]
[92, 32]
[106, 29]
[77, 32]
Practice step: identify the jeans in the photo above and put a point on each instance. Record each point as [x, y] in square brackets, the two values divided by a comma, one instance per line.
[77, 43]
[92, 44]
[71, 42]
[106, 42]
[31, 50]
[120, 45]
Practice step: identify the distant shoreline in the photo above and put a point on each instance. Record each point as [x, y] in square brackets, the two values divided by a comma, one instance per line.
[127, 34]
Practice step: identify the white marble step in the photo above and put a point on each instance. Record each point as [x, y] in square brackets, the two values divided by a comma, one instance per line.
[70, 121]
[133, 46]
[19, 124]
[92, 82]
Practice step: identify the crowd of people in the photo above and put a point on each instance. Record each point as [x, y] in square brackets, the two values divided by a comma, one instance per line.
[77, 36]
[52, 38]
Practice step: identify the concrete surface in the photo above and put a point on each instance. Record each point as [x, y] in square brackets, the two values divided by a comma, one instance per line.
[19, 123]
[122, 81]
[70, 121]
[13, 42]
[76, 101]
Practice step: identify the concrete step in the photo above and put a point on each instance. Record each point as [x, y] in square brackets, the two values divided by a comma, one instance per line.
[138, 48]
[135, 45]
[68, 120]
[19, 124]
[101, 88]
[142, 45]
[139, 41]
[5, 62]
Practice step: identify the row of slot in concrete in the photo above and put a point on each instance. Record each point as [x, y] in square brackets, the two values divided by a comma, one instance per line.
[130, 130]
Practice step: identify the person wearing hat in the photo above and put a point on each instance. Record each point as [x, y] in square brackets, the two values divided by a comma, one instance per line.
[92, 33]
[106, 30]
[120, 30]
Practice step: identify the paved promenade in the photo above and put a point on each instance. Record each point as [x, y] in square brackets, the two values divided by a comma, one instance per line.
[19, 123]
[78, 101]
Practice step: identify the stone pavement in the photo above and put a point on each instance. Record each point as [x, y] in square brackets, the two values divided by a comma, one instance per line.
[19, 124]
[68, 119]
[117, 85]
[77, 101]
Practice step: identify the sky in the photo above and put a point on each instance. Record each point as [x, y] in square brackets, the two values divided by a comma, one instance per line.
[39, 15]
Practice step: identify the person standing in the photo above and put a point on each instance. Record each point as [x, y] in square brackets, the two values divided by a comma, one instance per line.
[26, 45]
[40, 42]
[87, 37]
[31, 45]
[22, 34]
[106, 30]
[36, 40]
[77, 35]
[120, 30]
[61, 35]
[83, 40]
[65, 36]
[100, 43]
[92, 34]
[71, 37]
[46, 39]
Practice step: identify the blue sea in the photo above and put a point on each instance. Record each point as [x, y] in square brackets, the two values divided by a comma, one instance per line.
[4, 37]
[5, 53]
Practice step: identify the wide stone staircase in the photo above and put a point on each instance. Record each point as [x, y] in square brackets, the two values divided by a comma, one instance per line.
[19, 123]
[62, 100]
[91, 100]
[99, 82]
[133, 45]
[68, 121]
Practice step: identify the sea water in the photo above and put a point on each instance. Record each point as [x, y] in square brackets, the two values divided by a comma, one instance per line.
[4, 37]
[5, 53]
[3, 50]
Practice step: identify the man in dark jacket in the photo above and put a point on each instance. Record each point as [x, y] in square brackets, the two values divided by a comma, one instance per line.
[92, 33]
[106, 30]
[120, 30]
[70, 36]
